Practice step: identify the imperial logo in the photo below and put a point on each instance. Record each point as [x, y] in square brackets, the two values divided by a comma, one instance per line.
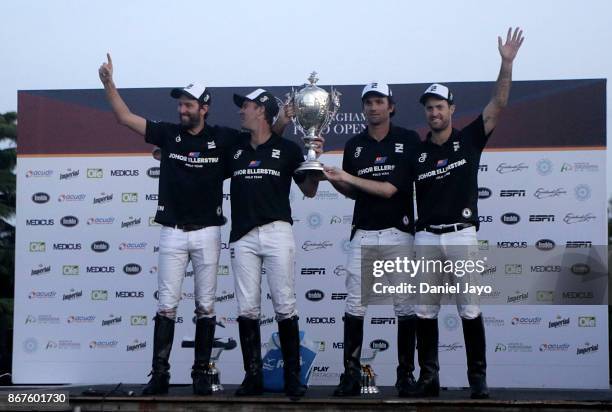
[131, 222]
[512, 193]
[382, 321]
[40, 270]
[154, 172]
[484, 193]
[152, 196]
[338, 296]
[72, 295]
[95, 173]
[512, 245]
[66, 246]
[510, 218]
[112, 321]
[129, 197]
[503, 168]
[71, 197]
[69, 174]
[128, 246]
[132, 269]
[123, 173]
[103, 198]
[580, 269]
[99, 294]
[518, 297]
[576, 244]
[315, 295]
[100, 246]
[100, 269]
[312, 271]
[541, 218]
[319, 321]
[545, 244]
[129, 294]
[225, 297]
[380, 344]
[40, 222]
[69, 221]
[309, 246]
[559, 322]
[40, 198]
[586, 348]
[70, 270]
[136, 346]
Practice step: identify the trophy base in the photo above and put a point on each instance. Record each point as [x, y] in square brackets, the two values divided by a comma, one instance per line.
[310, 166]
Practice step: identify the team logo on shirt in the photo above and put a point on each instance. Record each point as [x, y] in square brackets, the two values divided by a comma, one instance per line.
[178, 138]
[399, 147]
[455, 146]
[442, 163]
[380, 160]
[194, 154]
[237, 154]
[254, 163]
[276, 153]
[212, 145]
[357, 151]
[422, 157]
[466, 213]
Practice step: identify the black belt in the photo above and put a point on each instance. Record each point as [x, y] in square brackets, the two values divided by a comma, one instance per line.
[187, 227]
[447, 229]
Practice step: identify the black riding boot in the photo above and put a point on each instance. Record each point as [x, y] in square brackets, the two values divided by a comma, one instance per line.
[475, 350]
[406, 342]
[427, 347]
[250, 342]
[162, 345]
[289, 334]
[350, 380]
[204, 338]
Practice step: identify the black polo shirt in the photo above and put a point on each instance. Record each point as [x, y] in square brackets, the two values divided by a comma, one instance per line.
[191, 173]
[384, 161]
[261, 181]
[446, 177]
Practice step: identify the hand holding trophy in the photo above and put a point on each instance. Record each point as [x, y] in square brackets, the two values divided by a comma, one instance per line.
[314, 109]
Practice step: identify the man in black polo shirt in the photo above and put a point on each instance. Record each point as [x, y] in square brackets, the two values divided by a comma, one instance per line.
[189, 208]
[446, 170]
[374, 174]
[261, 167]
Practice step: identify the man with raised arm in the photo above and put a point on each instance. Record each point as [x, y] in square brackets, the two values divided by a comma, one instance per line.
[189, 209]
[446, 170]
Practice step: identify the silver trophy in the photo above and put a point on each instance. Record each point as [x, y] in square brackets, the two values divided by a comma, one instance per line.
[219, 345]
[314, 108]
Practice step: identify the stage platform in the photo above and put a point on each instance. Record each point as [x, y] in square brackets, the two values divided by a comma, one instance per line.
[180, 398]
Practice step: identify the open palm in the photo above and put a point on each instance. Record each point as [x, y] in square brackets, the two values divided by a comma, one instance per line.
[513, 42]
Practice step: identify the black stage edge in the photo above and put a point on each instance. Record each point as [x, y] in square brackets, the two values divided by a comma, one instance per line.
[181, 399]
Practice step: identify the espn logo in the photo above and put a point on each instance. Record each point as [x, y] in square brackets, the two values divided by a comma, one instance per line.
[541, 218]
[512, 193]
[383, 321]
[339, 296]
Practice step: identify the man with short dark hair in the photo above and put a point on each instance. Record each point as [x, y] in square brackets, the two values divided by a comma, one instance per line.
[190, 211]
[446, 170]
[261, 166]
[374, 173]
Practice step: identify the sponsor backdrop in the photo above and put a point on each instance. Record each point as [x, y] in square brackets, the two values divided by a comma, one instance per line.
[87, 246]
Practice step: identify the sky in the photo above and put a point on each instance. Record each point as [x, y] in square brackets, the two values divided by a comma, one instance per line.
[59, 44]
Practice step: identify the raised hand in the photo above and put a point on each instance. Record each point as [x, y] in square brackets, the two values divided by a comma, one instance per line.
[509, 49]
[106, 70]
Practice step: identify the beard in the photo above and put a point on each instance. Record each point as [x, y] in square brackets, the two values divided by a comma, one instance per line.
[442, 125]
[189, 121]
